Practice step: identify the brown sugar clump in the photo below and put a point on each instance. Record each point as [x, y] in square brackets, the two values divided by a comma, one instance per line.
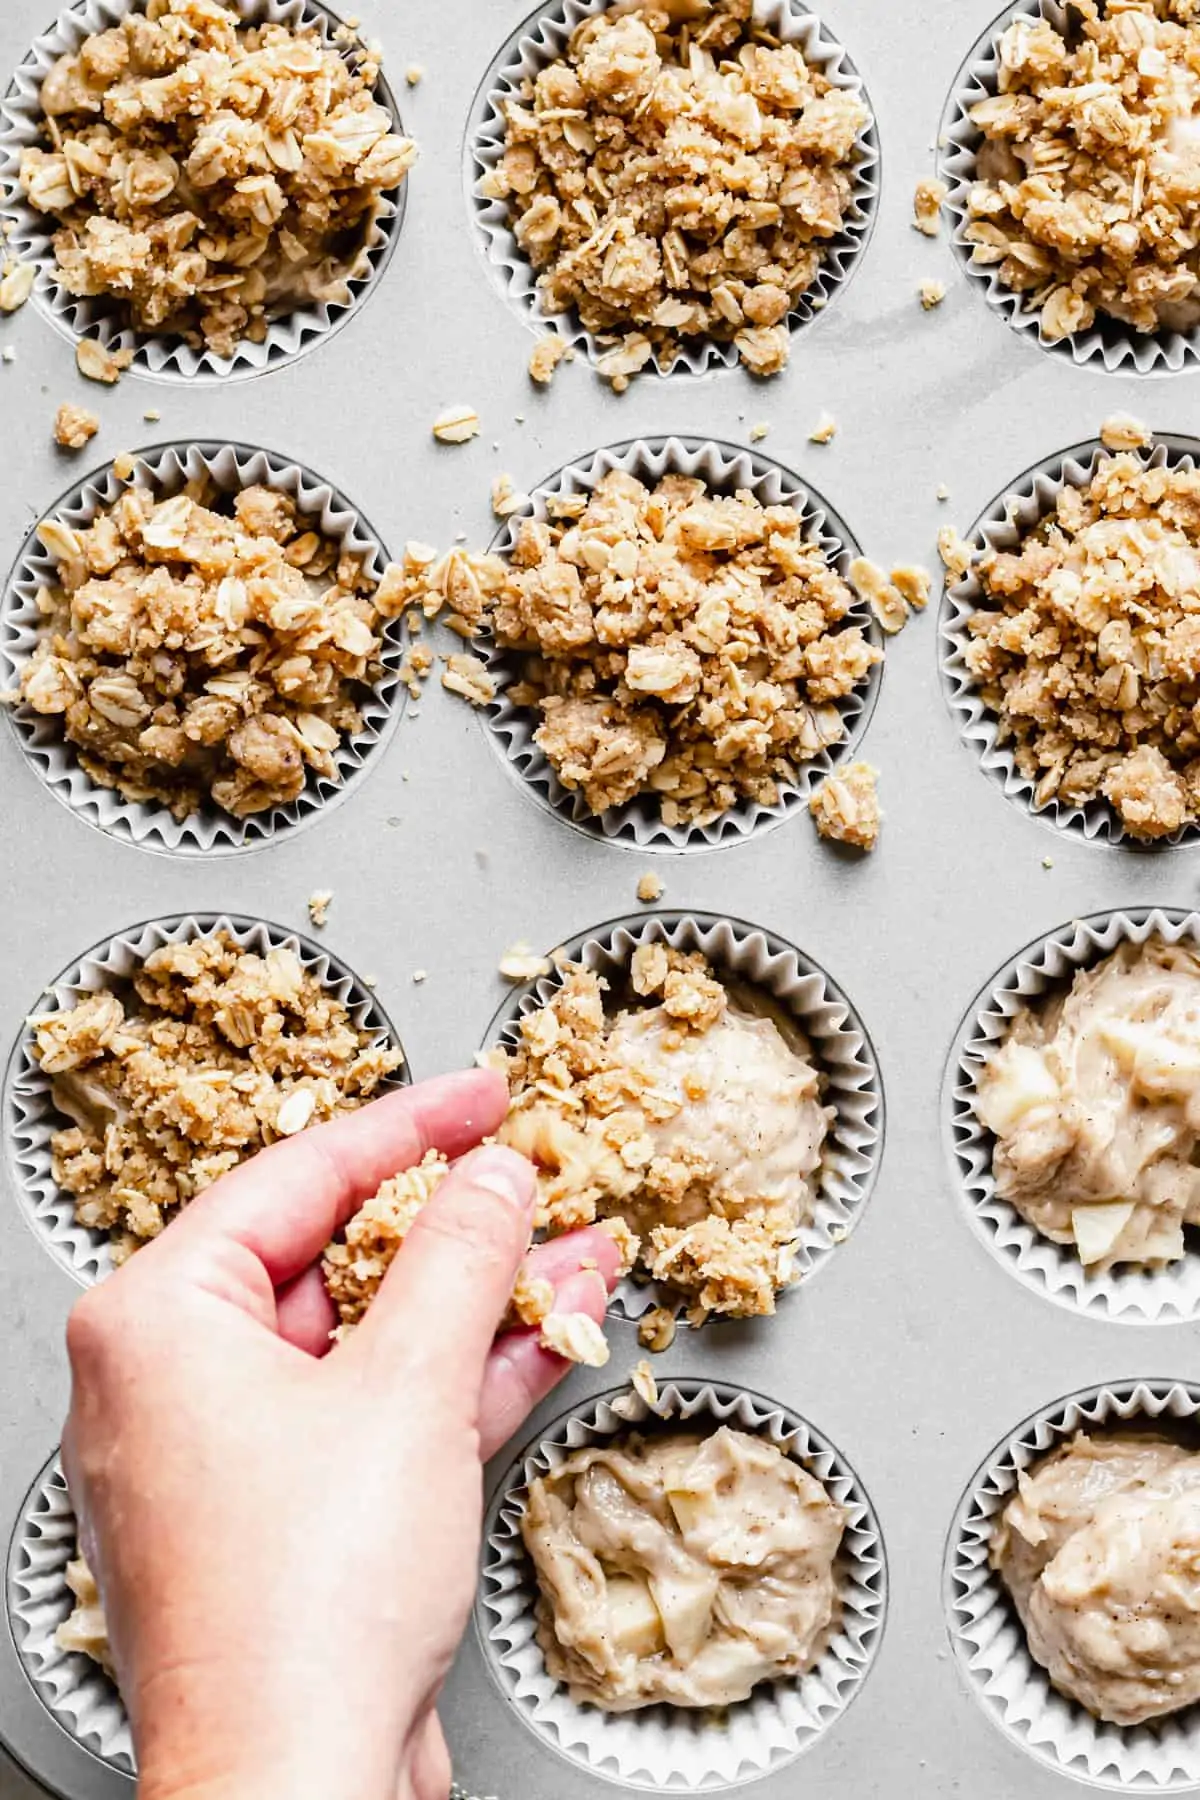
[1086, 646]
[208, 175]
[211, 1052]
[1087, 193]
[204, 648]
[678, 174]
[678, 643]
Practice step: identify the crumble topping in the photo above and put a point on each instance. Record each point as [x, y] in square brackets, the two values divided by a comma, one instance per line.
[457, 425]
[656, 1329]
[678, 174]
[319, 902]
[846, 806]
[824, 431]
[74, 426]
[357, 1260]
[691, 1116]
[677, 643]
[96, 363]
[1086, 646]
[1087, 192]
[207, 1054]
[208, 175]
[683, 1567]
[649, 888]
[927, 206]
[931, 293]
[204, 647]
[522, 964]
[1121, 431]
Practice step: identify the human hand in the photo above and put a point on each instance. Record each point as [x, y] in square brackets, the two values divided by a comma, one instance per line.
[286, 1541]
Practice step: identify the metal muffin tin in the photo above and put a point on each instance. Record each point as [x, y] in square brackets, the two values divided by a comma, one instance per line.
[915, 1352]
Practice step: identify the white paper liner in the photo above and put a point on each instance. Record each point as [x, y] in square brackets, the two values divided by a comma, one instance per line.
[840, 1047]
[31, 236]
[542, 39]
[74, 1689]
[639, 822]
[665, 1748]
[1165, 1295]
[30, 1116]
[989, 1640]
[210, 831]
[1110, 342]
[1010, 516]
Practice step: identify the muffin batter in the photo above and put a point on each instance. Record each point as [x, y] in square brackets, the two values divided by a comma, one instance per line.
[681, 1568]
[1094, 1101]
[1100, 1550]
[692, 1118]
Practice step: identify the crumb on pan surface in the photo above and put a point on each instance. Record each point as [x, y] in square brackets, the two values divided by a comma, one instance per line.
[74, 426]
[1091, 1099]
[16, 284]
[677, 175]
[356, 1261]
[1086, 198]
[205, 648]
[686, 1116]
[681, 1568]
[208, 175]
[927, 206]
[677, 643]
[1097, 1549]
[207, 1054]
[1086, 646]
[846, 806]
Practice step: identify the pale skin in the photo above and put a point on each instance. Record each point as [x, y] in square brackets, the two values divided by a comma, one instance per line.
[286, 1535]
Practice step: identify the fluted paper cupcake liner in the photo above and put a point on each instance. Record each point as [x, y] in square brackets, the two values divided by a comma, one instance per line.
[30, 1115]
[1010, 516]
[1109, 342]
[73, 1688]
[676, 1749]
[210, 831]
[32, 233]
[1165, 1295]
[841, 1052]
[541, 40]
[639, 822]
[989, 1640]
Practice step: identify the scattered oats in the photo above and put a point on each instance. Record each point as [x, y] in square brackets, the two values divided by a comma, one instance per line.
[677, 175]
[927, 206]
[414, 74]
[420, 975]
[943, 492]
[846, 806]
[656, 1329]
[954, 551]
[932, 294]
[1047, 862]
[99, 364]
[1121, 431]
[74, 426]
[544, 358]
[318, 906]
[8, 354]
[914, 583]
[838, 1234]
[575, 1336]
[152, 415]
[643, 1383]
[520, 963]
[505, 498]
[125, 465]
[759, 432]
[457, 425]
[872, 585]
[469, 677]
[824, 429]
[296, 1112]
[16, 285]
[649, 888]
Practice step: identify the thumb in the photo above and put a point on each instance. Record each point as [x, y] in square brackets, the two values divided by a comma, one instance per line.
[445, 1294]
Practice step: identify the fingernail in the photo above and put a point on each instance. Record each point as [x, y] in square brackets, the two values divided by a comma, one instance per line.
[503, 1173]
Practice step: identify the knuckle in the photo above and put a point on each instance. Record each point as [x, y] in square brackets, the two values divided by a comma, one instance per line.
[89, 1328]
